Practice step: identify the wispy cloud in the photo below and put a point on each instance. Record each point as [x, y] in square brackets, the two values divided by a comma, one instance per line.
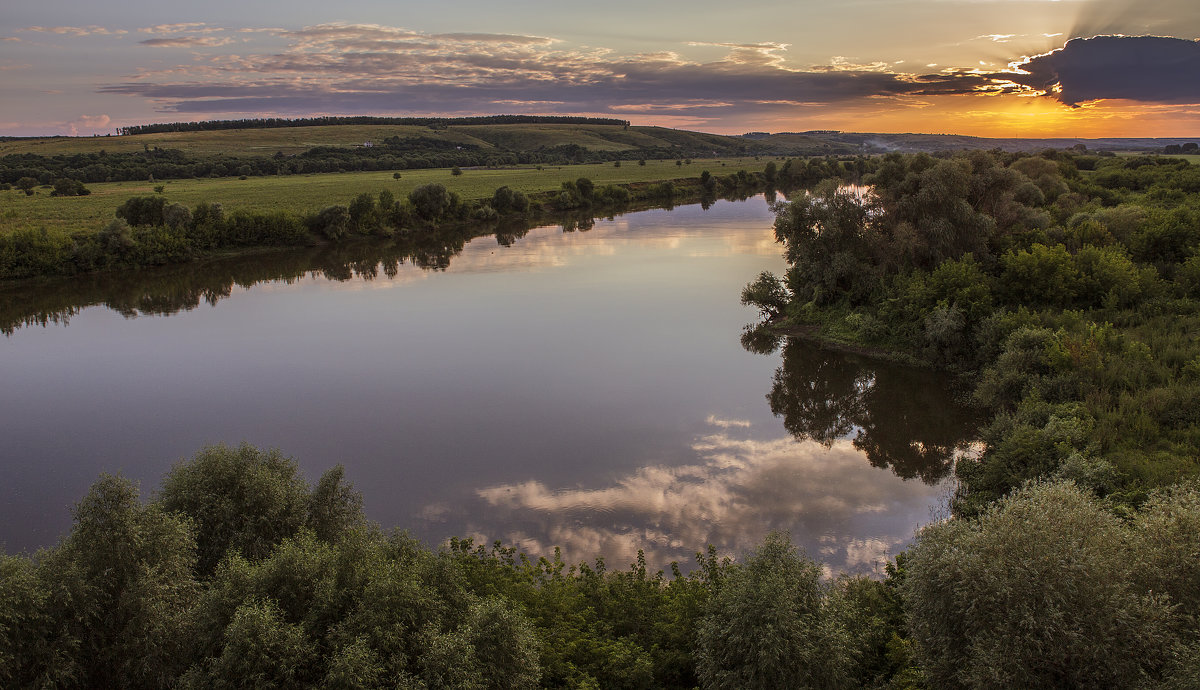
[844, 511]
[187, 42]
[177, 28]
[76, 30]
[372, 68]
[375, 68]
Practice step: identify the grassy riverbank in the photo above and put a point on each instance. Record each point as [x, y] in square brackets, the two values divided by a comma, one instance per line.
[156, 229]
[309, 193]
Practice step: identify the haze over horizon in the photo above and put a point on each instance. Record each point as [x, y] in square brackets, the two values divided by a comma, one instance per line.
[1000, 68]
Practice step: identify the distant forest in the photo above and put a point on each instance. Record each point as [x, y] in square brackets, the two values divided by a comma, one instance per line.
[279, 122]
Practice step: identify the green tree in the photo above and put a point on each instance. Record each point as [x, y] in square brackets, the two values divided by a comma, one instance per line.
[261, 650]
[1036, 592]
[240, 499]
[332, 221]
[508, 200]
[121, 587]
[142, 210]
[1041, 276]
[505, 644]
[65, 186]
[768, 293]
[364, 214]
[431, 201]
[334, 507]
[26, 184]
[770, 626]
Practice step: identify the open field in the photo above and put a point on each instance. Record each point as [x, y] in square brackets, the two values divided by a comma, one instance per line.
[292, 140]
[1192, 158]
[301, 193]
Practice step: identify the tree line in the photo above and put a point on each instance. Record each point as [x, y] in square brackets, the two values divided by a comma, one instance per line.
[150, 231]
[393, 153]
[237, 572]
[278, 122]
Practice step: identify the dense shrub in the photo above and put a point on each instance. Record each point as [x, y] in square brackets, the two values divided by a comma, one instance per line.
[772, 624]
[1042, 590]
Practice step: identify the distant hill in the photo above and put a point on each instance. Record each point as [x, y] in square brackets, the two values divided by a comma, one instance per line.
[613, 137]
[535, 138]
[932, 143]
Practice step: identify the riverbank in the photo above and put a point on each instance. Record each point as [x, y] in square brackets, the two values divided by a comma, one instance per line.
[309, 193]
[157, 229]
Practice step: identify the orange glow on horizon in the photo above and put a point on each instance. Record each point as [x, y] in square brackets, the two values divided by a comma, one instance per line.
[1005, 116]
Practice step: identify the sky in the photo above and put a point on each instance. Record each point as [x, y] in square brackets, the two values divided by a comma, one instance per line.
[1005, 68]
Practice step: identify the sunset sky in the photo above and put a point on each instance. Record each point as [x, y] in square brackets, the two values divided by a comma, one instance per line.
[982, 67]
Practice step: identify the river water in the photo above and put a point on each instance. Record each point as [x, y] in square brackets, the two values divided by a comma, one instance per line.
[582, 389]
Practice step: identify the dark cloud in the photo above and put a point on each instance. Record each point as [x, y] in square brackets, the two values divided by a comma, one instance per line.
[1140, 68]
[619, 88]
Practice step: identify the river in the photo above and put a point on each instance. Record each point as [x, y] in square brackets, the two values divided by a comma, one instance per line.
[583, 389]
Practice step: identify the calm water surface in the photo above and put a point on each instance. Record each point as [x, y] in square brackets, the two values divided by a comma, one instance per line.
[580, 389]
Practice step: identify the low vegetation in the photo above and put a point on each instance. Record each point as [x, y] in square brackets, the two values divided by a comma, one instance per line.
[239, 573]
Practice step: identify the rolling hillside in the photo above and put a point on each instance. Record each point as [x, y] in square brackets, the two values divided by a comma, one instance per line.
[295, 140]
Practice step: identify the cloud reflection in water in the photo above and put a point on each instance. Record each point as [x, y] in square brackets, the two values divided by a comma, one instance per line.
[839, 507]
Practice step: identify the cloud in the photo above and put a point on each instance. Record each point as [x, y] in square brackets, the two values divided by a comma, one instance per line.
[1150, 69]
[187, 42]
[344, 68]
[337, 69]
[87, 124]
[1137, 17]
[713, 420]
[76, 30]
[348, 68]
[177, 28]
[835, 504]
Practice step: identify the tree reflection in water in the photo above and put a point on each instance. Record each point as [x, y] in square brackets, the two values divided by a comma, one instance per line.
[903, 418]
[170, 289]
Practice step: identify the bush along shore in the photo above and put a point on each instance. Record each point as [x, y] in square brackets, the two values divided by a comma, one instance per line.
[1064, 289]
[149, 230]
[237, 572]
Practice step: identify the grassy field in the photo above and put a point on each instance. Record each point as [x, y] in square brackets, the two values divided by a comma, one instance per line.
[1192, 158]
[266, 142]
[301, 193]
[292, 140]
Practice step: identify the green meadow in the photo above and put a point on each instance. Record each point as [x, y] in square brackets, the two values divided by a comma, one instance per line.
[303, 193]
